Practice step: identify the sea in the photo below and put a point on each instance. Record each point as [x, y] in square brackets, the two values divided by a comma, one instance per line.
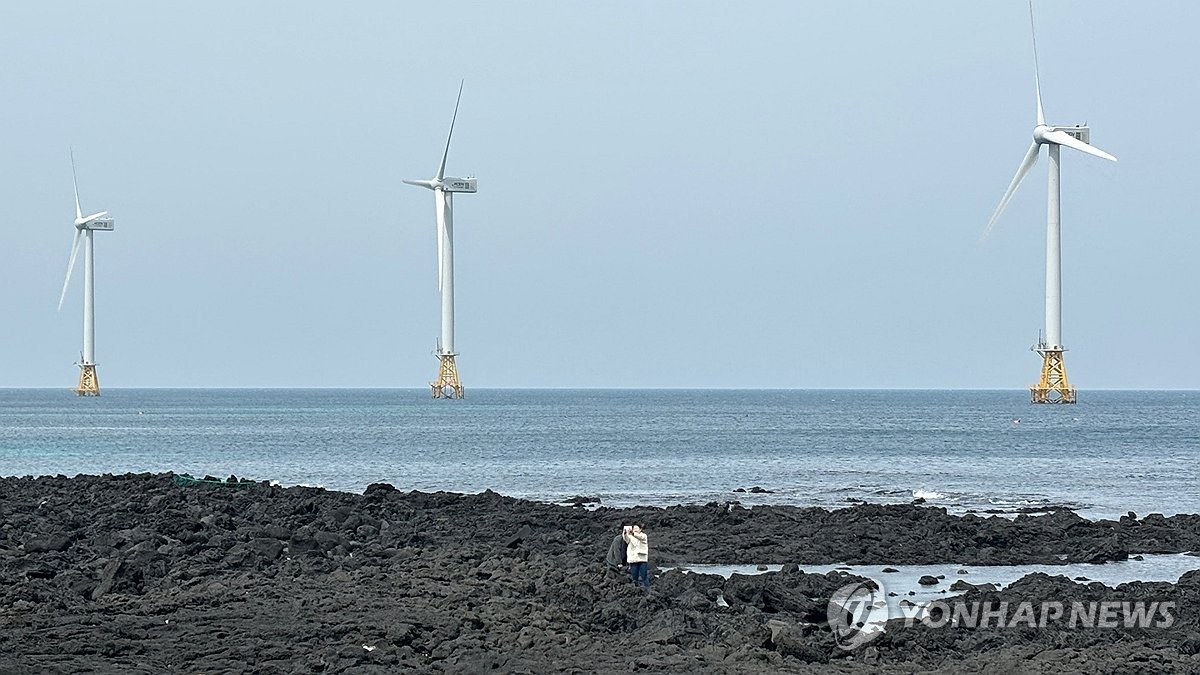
[981, 451]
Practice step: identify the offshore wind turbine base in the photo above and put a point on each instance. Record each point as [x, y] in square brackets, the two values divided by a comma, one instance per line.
[447, 384]
[1054, 386]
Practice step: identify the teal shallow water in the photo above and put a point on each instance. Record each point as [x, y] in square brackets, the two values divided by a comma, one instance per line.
[1113, 452]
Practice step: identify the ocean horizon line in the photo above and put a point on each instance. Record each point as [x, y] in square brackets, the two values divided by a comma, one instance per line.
[590, 388]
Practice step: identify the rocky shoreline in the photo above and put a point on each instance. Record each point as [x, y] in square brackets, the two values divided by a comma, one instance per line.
[137, 573]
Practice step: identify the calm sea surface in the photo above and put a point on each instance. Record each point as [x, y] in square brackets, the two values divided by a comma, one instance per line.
[1113, 452]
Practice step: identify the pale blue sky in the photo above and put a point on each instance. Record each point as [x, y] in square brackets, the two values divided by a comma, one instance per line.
[767, 194]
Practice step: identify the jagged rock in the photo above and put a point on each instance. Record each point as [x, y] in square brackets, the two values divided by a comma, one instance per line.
[107, 578]
[275, 531]
[521, 535]
[329, 540]
[159, 577]
[268, 548]
[665, 627]
[961, 585]
[303, 545]
[54, 542]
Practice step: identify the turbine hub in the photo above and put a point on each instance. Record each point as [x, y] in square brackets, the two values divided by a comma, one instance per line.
[1039, 133]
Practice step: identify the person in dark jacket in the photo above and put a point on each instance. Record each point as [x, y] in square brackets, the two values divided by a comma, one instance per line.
[615, 560]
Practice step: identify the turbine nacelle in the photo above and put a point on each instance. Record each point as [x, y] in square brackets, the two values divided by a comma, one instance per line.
[448, 184]
[460, 185]
[1045, 133]
[1077, 137]
[96, 221]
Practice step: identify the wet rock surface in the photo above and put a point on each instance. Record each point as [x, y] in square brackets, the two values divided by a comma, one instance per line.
[135, 573]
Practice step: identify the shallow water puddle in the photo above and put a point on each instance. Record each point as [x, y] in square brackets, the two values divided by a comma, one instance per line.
[904, 582]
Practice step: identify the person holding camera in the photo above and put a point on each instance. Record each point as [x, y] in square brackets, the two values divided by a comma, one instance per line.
[637, 553]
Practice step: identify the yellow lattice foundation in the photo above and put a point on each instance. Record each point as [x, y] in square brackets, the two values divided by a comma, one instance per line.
[447, 384]
[1053, 387]
[89, 383]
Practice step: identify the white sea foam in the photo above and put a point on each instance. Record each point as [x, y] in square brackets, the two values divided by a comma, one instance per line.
[928, 495]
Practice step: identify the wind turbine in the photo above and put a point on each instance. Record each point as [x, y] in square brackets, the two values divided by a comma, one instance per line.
[447, 384]
[89, 384]
[1053, 386]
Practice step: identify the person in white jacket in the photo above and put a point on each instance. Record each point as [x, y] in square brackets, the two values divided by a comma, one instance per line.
[637, 553]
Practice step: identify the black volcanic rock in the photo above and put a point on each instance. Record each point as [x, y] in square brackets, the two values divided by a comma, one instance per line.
[961, 585]
[54, 542]
[135, 573]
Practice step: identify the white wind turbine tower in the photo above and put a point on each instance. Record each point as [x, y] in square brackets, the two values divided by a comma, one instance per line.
[1053, 386]
[447, 384]
[89, 383]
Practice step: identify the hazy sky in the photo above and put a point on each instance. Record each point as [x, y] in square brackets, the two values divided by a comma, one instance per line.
[676, 194]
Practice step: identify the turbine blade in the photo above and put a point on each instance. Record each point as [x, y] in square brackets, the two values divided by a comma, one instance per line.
[75, 182]
[1061, 137]
[1026, 164]
[92, 217]
[70, 267]
[442, 167]
[440, 202]
[420, 183]
[1037, 80]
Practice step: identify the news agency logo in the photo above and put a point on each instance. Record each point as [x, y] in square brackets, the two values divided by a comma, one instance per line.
[1055, 613]
[857, 613]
